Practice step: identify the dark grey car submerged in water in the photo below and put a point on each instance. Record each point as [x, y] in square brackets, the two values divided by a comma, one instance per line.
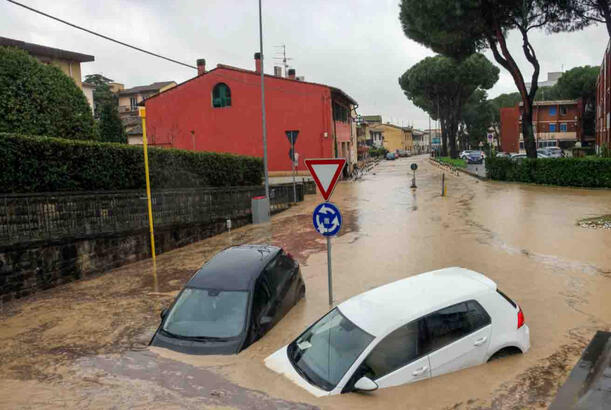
[232, 301]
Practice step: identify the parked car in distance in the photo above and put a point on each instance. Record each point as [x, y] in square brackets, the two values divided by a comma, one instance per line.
[402, 153]
[232, 301]
[475, 157]
[518, 157]
[503, 155]
[464, 154]
[409, 330]
[390, 156]
[542, 153]
[553, 152]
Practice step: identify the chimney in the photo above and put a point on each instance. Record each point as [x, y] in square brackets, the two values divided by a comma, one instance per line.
[278, 71]
[258, 62]
[201, 66]
[291, 73]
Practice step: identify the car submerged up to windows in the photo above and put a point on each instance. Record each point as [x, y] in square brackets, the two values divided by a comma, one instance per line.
[232, 301]
[410, 330]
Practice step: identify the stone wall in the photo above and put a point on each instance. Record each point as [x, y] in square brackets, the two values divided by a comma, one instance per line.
[50, 239]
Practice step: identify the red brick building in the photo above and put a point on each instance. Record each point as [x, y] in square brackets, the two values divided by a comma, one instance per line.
[220, 111]
[603, 102]
[555, 124]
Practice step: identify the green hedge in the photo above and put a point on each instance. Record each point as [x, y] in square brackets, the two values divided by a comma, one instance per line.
[457, 162]
[43, 164]
[583, 172]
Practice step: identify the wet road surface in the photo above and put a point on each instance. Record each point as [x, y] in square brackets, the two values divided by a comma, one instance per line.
[83, 345]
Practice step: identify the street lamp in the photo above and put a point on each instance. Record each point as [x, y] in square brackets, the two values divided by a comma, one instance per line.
[263, 111]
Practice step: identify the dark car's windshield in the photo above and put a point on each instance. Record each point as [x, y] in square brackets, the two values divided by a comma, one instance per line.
[207, 313]
[323, 353]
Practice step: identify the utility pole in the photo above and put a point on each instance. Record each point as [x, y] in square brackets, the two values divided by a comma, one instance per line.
[263, 110]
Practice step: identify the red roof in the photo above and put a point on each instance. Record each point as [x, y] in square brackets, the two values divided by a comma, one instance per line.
[251, 72]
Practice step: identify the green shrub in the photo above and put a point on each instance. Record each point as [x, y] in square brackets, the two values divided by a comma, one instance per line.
[458, 163]
[583, 172]
[42, 164]
[39, 99]
[378, 152]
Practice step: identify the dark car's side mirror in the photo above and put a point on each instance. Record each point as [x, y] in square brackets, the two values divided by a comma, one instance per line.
[163, 313]
[265, 320]
[365, 384]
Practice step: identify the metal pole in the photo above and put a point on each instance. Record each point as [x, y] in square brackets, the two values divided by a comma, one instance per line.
[263, 105]
[148, 183]
[293, 165]
[329, 269]
[443, 184]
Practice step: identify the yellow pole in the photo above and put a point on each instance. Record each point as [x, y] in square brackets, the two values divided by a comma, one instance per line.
[142, 112]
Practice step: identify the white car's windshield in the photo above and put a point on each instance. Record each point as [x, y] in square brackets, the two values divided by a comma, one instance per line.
[207, 313]
[323, 353]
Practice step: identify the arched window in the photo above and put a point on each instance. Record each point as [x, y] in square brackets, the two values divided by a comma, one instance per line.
[221, 96]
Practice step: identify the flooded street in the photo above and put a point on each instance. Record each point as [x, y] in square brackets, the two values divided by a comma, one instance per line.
[85, 344]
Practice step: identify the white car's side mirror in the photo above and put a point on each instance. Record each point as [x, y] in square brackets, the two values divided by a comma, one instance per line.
[365, 384]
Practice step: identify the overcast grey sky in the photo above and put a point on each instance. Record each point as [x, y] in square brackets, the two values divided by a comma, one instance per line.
[355, 45]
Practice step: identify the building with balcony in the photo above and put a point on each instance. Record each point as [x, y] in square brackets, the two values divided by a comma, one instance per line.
[393, 137]
[603, 103]
[555, 124]
[130, 98]
[422, 142]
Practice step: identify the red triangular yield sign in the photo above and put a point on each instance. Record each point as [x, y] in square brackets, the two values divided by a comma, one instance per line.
[326, 172]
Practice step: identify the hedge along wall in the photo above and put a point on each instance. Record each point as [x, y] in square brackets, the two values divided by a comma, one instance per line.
[581, 172]
[43, 164]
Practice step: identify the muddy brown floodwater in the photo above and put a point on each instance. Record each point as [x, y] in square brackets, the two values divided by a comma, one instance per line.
[84, 345]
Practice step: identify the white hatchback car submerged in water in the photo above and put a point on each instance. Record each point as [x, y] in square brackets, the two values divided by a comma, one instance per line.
[409, 330]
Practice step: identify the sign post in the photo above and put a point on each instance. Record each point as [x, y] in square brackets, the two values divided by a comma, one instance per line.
[142, 113]
[292, 136]
[326, 218]
[414, 167]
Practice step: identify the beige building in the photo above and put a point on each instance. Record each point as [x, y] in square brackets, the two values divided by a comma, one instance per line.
[128, 106]
[394, 137]
[131, 97]
[88, 91]
[67, 61]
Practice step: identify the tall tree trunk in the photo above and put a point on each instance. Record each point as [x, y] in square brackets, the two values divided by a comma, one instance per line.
[444, 137]
[605, 11]
[506, 60]
[530, 144]
[452, 138]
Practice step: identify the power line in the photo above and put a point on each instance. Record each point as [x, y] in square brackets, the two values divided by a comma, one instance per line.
[100, 35]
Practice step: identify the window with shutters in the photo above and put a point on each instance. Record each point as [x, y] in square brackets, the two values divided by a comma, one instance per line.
[221, 96]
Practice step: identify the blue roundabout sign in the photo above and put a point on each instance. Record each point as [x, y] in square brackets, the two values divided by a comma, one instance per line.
[326, 219]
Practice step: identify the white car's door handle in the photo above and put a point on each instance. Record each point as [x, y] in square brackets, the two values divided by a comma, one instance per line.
[420, 371]
[480, 341]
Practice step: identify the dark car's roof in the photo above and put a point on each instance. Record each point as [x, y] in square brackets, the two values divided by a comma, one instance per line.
[235, 268]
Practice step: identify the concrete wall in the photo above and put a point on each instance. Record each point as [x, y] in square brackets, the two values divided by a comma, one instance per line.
[31, 267]
[50, 239]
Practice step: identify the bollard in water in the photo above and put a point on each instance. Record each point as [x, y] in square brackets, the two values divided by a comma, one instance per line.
[443, 184]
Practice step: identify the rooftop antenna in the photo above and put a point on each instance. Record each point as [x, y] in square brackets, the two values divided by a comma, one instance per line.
[281, 56]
